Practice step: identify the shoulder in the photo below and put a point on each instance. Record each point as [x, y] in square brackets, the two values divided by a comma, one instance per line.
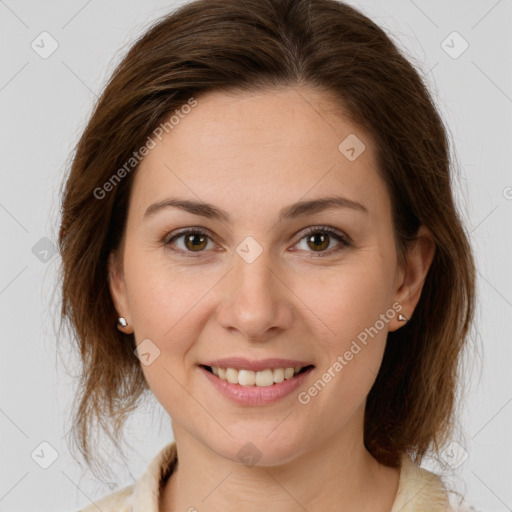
[118, 501]
[420, 490]
[142, 495]
[459, 504]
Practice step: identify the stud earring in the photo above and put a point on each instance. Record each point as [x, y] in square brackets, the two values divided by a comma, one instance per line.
[402, 318]
[121, 322]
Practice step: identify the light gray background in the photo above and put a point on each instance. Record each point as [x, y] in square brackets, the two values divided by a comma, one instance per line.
[44, 106]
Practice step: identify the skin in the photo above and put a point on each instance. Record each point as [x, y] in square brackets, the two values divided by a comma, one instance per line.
[252, 155]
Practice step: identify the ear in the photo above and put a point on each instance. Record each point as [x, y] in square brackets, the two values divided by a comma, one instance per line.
[118, 292]
[412, 277]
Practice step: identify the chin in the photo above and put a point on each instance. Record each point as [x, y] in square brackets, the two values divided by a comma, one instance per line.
[259, 449]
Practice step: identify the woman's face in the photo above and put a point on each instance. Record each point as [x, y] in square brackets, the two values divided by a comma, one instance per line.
[250, 283]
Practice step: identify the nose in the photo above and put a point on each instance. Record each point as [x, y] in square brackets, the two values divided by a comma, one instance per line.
[255, 299]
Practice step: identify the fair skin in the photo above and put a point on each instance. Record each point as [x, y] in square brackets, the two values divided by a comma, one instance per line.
[252, 155]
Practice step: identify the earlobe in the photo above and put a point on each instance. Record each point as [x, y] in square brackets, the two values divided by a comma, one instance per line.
[117, 287]
[418, 261]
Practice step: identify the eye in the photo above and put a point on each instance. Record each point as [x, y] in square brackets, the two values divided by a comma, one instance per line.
[193, 240]
[319, 240]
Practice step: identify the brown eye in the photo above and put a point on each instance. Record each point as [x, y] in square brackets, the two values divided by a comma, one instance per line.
[318, 241]
[190, 241]
[196, 241]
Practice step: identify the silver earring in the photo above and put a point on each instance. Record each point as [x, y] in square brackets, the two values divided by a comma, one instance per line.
[402, 318]
[121, 322]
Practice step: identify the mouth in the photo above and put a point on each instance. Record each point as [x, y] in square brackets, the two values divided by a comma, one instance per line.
[268, 377]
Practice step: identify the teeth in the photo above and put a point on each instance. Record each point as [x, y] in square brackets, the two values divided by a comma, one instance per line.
[288, 373]
[246, 378]
[232, 375]
[249, 378]
[278, 375]
[264, 378]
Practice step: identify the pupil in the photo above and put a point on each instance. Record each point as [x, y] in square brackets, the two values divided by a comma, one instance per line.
[319, 237]
[195, 240]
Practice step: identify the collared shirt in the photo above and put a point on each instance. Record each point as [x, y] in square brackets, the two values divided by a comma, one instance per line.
[419, 490]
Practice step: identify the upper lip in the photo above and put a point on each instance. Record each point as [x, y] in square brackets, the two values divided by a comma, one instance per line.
[241, 363]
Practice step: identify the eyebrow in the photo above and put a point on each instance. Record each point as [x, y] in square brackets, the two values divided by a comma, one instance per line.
[290, 212]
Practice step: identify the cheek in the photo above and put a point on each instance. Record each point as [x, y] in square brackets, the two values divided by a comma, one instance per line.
[162, 296]
[352, 355]
[351, 300]
[166, 308]
[354, 305]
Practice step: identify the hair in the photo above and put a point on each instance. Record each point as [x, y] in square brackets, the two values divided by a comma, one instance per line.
[251, 46]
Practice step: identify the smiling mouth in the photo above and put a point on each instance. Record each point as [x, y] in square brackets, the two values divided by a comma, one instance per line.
[263, 378]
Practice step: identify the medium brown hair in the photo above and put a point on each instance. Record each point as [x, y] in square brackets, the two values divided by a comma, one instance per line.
[251, 45]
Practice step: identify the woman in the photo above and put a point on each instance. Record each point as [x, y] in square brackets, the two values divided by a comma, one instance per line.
[258, 227]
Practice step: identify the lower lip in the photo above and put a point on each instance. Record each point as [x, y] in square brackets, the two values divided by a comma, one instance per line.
[256, 395]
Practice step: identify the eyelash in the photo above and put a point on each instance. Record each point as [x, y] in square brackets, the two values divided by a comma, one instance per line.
[345, 242]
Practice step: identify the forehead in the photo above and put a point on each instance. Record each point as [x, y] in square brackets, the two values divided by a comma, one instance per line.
[262, 148]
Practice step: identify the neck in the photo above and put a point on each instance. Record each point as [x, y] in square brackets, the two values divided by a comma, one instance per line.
[338, 474]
